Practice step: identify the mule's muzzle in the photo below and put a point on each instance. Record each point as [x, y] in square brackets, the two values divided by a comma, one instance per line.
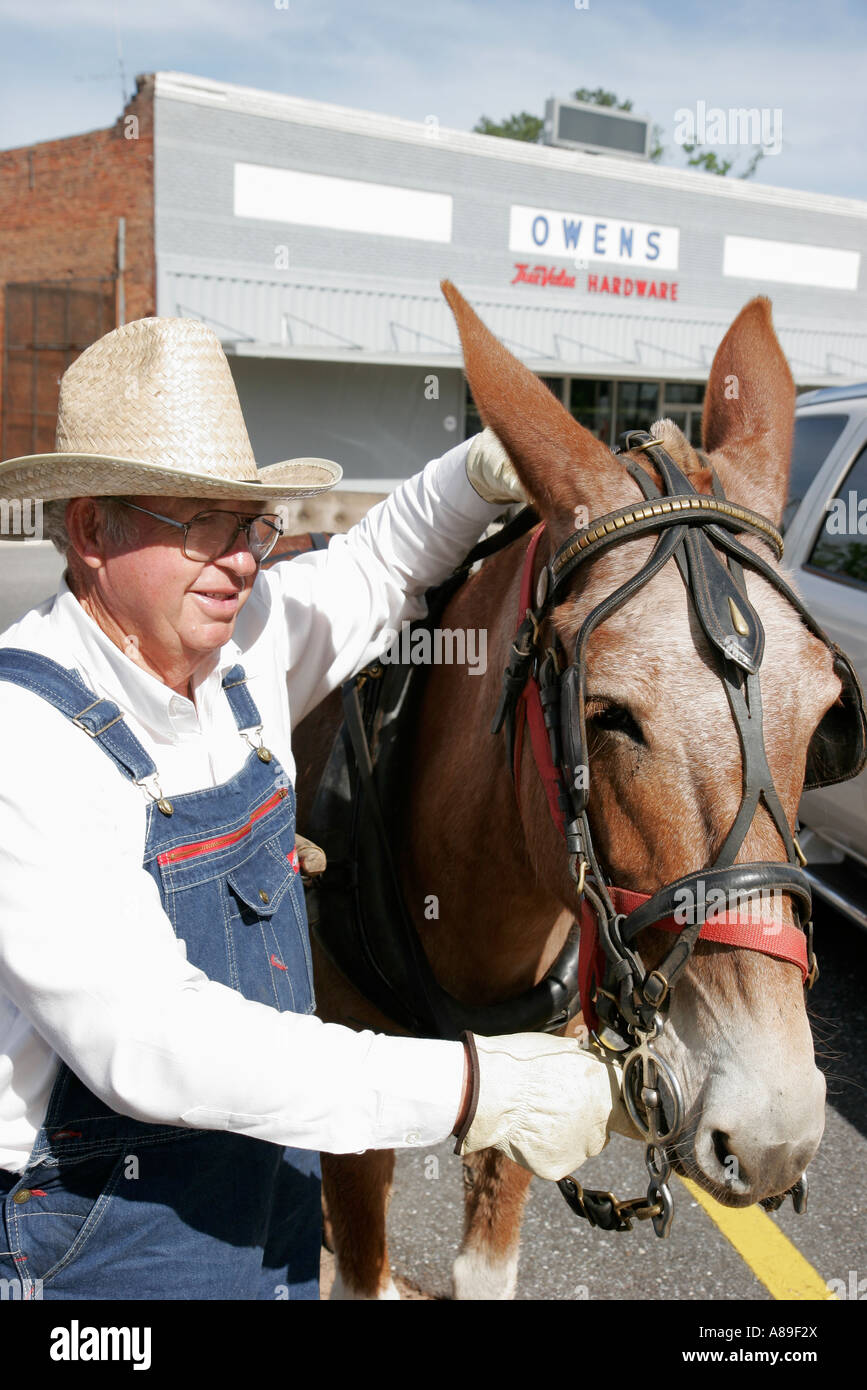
[754, 1141]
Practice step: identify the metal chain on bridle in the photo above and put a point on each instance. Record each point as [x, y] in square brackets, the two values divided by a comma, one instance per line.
[629, 1003]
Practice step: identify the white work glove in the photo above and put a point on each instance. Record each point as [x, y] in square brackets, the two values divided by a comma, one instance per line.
[490, 470]
[544, 1101]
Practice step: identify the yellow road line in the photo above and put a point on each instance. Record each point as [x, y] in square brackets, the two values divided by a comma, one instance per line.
[771, 1256]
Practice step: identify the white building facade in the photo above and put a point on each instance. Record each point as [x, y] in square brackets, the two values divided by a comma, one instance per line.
[312, 238]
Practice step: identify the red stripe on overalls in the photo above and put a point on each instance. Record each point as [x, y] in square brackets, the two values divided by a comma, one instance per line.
[197, 847]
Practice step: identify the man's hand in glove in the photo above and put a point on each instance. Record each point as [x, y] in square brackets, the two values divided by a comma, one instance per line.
[544, 1101]
[490, 470]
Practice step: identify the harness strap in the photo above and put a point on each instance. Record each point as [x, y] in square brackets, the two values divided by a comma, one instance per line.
[529, 708]
[431, 995]
[727, 928]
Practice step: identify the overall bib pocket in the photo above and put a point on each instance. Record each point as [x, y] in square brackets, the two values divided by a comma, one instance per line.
[269, 938]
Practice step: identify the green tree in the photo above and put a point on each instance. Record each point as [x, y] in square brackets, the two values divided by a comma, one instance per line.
[521, 126]
[712, 164]
[657, 149]
[599, 97]
[525, 126]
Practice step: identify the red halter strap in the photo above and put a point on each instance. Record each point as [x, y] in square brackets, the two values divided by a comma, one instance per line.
[779, 939]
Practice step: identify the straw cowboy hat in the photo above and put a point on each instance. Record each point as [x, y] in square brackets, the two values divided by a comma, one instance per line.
[151, 408]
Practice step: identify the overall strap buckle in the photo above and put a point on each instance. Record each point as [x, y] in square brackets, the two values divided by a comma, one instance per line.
[91, 732]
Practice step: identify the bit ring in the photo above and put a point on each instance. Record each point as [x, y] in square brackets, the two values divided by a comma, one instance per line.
[633, 1083]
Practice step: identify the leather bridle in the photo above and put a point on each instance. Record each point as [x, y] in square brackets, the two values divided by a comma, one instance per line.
[624, 1002]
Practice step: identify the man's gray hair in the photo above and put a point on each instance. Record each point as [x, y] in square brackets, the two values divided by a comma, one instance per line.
[120, 524]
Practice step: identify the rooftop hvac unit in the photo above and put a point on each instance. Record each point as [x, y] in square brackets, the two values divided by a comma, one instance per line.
[575, 125]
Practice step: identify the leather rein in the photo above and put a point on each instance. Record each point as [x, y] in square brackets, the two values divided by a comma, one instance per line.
[624, 1003]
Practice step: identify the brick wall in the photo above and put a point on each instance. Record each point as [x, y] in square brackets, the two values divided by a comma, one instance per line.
[59, 207]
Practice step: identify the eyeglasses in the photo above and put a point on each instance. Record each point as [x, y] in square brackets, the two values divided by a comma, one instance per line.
[210, 535]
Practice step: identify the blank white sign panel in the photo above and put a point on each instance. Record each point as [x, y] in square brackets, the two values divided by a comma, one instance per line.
[345, 205]
[791, 263]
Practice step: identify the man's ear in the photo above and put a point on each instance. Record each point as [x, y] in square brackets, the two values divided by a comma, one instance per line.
[84, 526]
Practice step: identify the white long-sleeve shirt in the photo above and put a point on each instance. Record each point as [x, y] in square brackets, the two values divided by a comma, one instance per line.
[90, 968]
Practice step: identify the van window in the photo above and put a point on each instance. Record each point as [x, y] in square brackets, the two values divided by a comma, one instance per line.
[815, 437]
[841, 547]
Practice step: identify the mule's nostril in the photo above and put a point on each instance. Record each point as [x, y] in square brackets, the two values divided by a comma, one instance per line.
[720, 1145]
[734, 1174]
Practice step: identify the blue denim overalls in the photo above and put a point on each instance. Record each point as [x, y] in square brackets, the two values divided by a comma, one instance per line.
[110, 1207]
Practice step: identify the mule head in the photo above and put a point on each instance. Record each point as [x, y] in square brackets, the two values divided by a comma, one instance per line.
[664, 754]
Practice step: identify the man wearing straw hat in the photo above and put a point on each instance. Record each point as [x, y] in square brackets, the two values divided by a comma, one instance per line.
[164, 1086]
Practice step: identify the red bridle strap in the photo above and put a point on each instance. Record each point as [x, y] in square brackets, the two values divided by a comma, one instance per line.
[772, 938]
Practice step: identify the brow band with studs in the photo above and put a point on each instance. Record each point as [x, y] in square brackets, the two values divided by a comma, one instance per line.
[667, 510]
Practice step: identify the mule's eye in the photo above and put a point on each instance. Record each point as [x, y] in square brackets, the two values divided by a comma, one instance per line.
[615, 719]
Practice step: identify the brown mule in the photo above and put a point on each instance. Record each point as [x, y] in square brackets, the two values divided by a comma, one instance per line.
[666, 777]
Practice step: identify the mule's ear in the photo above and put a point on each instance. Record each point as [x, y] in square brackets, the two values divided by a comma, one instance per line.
[559, 462]
[749, 412]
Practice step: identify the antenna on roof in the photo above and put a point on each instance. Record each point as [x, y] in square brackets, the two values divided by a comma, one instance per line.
[123, 95]
[110, 76]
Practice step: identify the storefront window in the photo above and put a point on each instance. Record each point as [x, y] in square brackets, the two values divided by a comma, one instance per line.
[682, 402]
[606, 408]
[637, 405]
[591, 403]
[687, 421]
[684, 393]
[554, 385]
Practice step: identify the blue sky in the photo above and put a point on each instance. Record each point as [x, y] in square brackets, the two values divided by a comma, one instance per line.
[456, 59]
